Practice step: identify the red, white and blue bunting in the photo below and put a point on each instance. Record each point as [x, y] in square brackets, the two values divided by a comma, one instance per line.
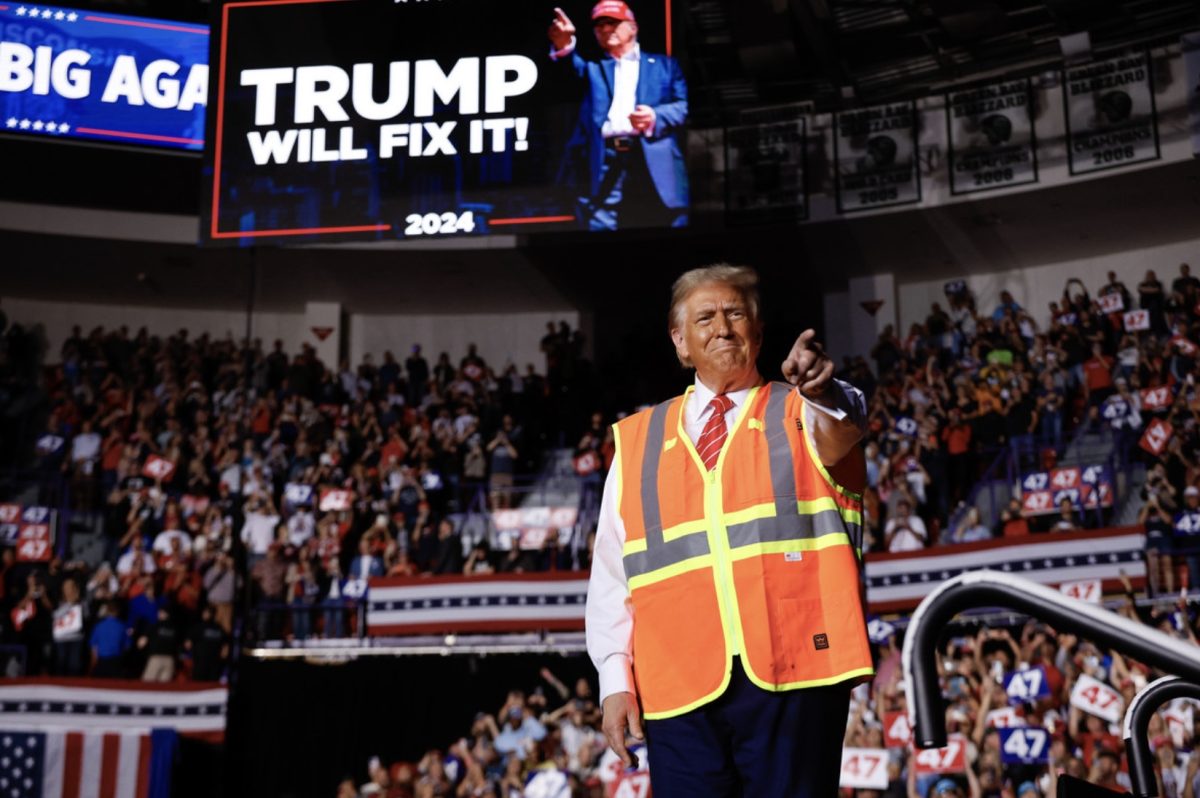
[899, 581]
[113, 705]
[508, 603]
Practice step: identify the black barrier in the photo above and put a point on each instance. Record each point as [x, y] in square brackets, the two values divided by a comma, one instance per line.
[1137, 721]
[1070, 787]
[995, 589]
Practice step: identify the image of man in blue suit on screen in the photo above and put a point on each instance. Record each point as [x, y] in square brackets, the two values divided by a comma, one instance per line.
[631, 124]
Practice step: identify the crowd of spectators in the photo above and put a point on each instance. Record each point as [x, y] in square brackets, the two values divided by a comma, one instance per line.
[207, 463]
[545, 741]
[214, 472]
[976, 667]
[968, 386]
[551, 730]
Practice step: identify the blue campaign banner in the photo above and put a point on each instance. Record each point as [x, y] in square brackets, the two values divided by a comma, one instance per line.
[69, 73]
[1024, 745]
[1026, 686]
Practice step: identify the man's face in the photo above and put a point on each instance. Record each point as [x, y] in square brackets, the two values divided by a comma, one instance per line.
[615, 36]
[718, 334]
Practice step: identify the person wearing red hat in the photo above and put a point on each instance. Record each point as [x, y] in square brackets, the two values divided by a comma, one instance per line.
[631, 123]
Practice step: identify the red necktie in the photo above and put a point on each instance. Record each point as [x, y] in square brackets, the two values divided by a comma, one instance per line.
[715, 432]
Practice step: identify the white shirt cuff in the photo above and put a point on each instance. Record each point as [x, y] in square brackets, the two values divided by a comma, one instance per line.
[564, 52]
[616, 676]
[849, 402]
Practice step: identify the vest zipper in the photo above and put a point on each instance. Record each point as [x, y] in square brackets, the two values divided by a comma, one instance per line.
[712, 490]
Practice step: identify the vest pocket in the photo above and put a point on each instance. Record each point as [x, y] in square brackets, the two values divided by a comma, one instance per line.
[797, 634]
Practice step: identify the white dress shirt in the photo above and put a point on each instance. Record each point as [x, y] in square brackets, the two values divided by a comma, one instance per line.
[625, 80]
[609, 612]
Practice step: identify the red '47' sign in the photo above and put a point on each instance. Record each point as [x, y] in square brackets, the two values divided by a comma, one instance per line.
[950, 759]
[1156, 437]
[158, 468]
[1156, 398]
[896, 729]
[33, 543]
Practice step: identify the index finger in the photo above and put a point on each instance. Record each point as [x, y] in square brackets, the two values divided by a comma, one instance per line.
[561, 15]
[806, 337]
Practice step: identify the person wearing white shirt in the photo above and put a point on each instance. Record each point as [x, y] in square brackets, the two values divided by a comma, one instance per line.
[137, 553]
[259, 527]
[630, 124]
[905, 531]
[715, 328]
[85, 448]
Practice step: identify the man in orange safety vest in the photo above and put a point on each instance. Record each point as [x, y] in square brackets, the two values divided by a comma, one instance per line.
[724, 606]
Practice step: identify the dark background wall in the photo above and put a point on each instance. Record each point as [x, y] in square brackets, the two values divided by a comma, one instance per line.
[297, 728]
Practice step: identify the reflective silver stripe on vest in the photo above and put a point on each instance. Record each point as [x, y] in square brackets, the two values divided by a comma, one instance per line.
[790, 527]
[779, 451]
[787, 524]
[658, 553]
[665, 554]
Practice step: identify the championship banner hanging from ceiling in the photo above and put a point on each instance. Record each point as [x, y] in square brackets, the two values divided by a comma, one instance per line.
[875, 155]
[1110, 112]
[992, 139]
[1191, 68]
[764, 171]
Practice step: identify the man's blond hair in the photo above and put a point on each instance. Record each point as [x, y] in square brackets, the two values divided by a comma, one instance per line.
[742, 278]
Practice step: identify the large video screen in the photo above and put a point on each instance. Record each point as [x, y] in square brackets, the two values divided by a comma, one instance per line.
[399, 119]
[100, 77]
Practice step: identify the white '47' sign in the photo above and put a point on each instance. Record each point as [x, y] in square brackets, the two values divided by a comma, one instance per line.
[1097, 698]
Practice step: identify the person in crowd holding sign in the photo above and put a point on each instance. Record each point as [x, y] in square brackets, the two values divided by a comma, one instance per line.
[70, 645]
[738, 502]
[1115, 286]
[1187, 534]
[631, 124]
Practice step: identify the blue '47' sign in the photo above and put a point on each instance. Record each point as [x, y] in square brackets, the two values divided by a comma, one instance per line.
[1024, 745]
[1026, 686]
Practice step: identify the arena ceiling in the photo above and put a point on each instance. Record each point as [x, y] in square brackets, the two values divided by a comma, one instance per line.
[841, 53]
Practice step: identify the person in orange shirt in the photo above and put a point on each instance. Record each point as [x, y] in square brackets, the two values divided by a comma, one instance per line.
[1097, 376]
[960, 466]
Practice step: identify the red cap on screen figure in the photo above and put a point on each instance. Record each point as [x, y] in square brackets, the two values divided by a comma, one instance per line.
[612, 9]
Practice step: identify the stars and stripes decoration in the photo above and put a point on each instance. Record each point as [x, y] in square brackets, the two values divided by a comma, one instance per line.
[113, 705]
[899, 581]
[509, 603]
[61, 763]
[36, 125]
[56, 14]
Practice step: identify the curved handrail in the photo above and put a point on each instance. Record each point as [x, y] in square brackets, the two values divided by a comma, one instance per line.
[996, 589]
[1137, 721]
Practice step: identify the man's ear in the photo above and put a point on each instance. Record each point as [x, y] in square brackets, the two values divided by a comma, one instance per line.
[680, 341]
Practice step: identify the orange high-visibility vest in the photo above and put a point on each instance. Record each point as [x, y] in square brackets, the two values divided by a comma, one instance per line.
[758, 557]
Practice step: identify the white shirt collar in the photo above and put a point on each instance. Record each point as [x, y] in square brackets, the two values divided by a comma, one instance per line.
[634, 54]
[703, 395]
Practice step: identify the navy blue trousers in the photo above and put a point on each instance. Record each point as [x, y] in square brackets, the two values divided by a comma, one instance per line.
[751, 743]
